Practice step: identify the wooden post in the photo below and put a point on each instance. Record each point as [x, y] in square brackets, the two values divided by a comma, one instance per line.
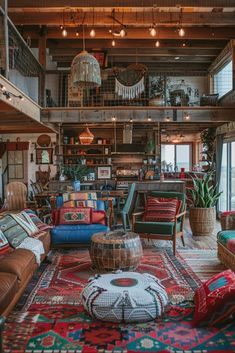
[233, 64]
[42, 46]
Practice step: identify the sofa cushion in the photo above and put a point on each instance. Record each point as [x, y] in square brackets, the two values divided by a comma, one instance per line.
[94, 204]
[163, 228]
[82, 196]
[98, 217]
[4, 245]
[20, 262]
[8, 289]
[161, 209]
[75, 234]
[13, 231]
[74, 215]
[227, 238]
[215, 299]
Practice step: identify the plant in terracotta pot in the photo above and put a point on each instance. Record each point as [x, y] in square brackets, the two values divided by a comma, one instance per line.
[202, 213]
[149, 148]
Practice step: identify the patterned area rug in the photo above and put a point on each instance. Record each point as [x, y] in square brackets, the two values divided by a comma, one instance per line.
[50, 319]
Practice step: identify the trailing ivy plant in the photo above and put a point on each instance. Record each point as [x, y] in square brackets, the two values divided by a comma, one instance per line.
[204, 193]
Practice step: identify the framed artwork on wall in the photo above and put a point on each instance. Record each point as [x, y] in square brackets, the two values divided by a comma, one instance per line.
[104, 172]
[44, 155]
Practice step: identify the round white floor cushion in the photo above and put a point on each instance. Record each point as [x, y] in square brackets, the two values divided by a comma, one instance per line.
[124, 297]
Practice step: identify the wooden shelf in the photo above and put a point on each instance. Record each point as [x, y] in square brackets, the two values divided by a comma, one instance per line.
[79, 145]
[92, 165]
[86, 155]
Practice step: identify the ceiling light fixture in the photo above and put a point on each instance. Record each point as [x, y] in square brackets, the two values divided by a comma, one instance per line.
[113, 43]
[181, 31]
[8, 94]
[168, 118]
[152, 31]
[157, 44]
[186, 116]
[77, 33]
[64, 33]
[122, 32]
[118, 33]
[149, 118]
[92, 32]
[113, 118]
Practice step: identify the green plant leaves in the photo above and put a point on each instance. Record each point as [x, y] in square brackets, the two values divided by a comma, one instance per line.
[204, 193]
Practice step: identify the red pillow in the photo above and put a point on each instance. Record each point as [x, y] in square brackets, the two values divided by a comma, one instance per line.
[161, 209]
[98, 217]
[215, 299]
[74, 215]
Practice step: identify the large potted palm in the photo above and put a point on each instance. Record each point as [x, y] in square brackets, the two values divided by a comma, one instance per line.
[202, 213]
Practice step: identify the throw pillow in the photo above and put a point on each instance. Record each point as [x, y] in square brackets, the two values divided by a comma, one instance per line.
[13, 231]
[161, 209]
[4, 245]
[74, 215]
[98, 217]
[82, 196]
[215, 299]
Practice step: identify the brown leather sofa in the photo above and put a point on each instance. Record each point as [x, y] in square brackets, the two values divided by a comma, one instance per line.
[16, 270]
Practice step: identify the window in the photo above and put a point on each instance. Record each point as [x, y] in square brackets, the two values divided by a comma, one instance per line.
[227, 178]
[179, 156]
[223, 82]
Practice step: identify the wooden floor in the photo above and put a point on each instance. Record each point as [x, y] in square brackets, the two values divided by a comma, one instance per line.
[191, 242]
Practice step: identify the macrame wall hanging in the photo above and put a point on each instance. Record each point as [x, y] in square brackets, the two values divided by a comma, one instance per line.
[130, 83]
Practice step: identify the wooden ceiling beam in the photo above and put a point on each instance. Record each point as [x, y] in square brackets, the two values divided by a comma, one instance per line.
[132, 19]
[138, 33]
[66, 44]
[142, 52]
[76, 4]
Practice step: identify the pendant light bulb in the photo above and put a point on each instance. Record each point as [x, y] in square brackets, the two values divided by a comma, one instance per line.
[157, 44]
[64, 33]
[181, 32]
[92, 33]
[113, 43]
[122, 32]
[77, 33]
[152, 31]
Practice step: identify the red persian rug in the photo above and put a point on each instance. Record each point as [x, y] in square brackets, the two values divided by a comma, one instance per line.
[50, 319]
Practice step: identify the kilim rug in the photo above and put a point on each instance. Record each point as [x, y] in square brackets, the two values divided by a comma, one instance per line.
[49, 317]
[204, 263]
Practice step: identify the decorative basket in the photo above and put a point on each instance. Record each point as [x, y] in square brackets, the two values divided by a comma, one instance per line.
[86, 137]
[227, 220]
[202, 220]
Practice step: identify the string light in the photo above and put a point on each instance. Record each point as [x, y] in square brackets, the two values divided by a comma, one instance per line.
[181, 32]
[168, 118]
[113, 118]
[122, 32]
[157, 44]
[92, 33]
[186, 116]
[113, 43]
[64, 33]
[152, 31]
[77, 33]
[8, 94]
[149, 119]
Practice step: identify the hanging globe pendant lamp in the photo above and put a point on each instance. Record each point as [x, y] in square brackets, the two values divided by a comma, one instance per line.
[85, 70]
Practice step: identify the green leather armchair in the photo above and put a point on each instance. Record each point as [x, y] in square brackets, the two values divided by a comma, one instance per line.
[162, 230]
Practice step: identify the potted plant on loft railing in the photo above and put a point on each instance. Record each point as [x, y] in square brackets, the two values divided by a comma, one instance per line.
[76, 173]
[202, 213]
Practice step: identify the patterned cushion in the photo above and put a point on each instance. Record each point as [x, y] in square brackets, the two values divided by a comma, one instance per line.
[124, 297]
[37, 221]
[82, 196]
[215, 299]
[13, 231]
[74, 215]
[161, 209]
[26, 222]
[227, 238]
[4, 245]
[81, 203]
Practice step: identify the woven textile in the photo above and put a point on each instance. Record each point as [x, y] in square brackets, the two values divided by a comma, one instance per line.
[37, 221]
[13, 231]
[74, 215]
[24, 219]
[49, 316]
[161, 209]
[34, 245]
[227, 238]
[4, 245]
[81, 203]
[125, 297]
[215, 299]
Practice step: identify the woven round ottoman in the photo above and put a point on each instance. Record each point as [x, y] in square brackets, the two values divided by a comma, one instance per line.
[117, 250]
[124, 297]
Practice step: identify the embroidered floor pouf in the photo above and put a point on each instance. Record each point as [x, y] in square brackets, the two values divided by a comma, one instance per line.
[124, 297]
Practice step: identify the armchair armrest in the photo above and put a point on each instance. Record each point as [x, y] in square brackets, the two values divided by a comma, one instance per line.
[180, 214]
[135, 216]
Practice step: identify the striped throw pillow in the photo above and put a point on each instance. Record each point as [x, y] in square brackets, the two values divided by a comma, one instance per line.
[4, 245]
[161, 209]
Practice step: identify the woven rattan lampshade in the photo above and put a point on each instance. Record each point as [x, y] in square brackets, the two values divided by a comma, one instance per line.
[85, 71]
[86, 137]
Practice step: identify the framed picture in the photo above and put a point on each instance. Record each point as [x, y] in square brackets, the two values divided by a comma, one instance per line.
[104, 172]
[44, 155]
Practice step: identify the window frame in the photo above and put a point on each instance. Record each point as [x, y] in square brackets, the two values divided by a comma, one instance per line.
[190, 144]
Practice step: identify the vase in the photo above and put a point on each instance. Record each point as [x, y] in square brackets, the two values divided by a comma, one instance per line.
[76, 185]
